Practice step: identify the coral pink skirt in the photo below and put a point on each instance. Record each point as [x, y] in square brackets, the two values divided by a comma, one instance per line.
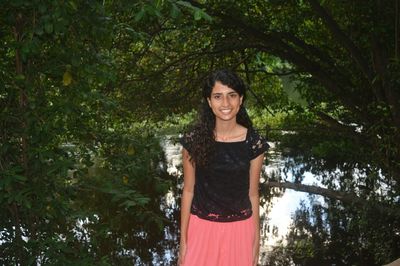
[219, 243]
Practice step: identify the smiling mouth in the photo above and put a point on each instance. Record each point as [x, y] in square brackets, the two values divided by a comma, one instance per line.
[226, 111]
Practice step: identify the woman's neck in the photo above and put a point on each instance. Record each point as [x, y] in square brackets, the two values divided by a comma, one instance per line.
[225, 127]
[229, 131]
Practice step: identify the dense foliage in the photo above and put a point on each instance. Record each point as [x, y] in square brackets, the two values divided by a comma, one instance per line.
[80, 182]
[343, 60]
[86, 86]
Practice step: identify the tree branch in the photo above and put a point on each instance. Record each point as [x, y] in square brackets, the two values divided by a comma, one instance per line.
[323, 77]
[345, 197]
[342, 38]
[334, 124]
[277, 42]
[288, 73]
[396, 30]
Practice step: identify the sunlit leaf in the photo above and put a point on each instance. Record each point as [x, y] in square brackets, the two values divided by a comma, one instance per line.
[67, 78]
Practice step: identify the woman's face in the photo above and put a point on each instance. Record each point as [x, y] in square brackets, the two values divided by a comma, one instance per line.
[224, 102]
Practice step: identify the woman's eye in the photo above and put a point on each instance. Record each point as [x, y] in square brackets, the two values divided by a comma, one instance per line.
[233, 95]
[217, 97]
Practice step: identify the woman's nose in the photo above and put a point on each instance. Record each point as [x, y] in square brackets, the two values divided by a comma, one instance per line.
[225, 101]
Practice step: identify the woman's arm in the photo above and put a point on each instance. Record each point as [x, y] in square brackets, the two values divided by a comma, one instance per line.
[255, 171]
[187, 196]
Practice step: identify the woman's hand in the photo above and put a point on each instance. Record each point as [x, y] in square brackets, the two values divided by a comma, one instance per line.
[186, 202]
[182, 253]
[256, 251]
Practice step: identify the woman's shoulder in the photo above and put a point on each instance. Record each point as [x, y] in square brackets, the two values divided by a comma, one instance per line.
[257, 142]
[187, 137]
[254, 134]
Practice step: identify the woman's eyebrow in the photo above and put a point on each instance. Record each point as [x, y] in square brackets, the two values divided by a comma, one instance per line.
[220, 93]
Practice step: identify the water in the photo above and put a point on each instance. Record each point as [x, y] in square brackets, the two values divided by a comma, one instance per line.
[275, 215]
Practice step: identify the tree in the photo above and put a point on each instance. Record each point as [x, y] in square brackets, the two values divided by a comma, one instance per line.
[343, 60]
[77, 75]
[326, 235]
[77, 177]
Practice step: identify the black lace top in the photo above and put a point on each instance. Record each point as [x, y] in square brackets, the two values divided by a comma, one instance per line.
[221, 191]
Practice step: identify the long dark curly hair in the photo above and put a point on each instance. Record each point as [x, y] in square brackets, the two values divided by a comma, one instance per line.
[201, 136]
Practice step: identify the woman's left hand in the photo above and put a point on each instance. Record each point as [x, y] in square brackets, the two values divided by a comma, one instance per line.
[256, 252]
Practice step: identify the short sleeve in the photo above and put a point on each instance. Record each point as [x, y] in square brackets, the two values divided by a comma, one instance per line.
[257, 144]
[186, 141]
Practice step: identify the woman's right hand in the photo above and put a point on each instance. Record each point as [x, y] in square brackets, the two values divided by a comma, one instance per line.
[182, 254]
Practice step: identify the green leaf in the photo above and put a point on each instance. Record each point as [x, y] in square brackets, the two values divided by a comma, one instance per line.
[143, 200]
[48, 27]
[19, 177]
[197, 14]
[205, 16]
[39, 30]
[175, 11]
[139, 16]
[20, 77]
[185, 4]
[73, 5]
[42, 8]
[129, 203]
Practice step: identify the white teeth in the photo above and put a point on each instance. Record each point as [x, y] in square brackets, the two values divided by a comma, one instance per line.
[226, 111]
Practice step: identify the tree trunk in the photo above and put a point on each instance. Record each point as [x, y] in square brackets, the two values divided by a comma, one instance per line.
[345, 197]
[17, 30]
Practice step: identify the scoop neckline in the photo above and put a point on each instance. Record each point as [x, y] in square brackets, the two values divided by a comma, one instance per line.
[239, 141]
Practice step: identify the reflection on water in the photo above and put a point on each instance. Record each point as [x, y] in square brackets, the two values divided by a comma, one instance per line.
[275, 212]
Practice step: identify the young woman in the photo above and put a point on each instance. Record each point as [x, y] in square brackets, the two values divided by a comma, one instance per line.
[222, 159]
